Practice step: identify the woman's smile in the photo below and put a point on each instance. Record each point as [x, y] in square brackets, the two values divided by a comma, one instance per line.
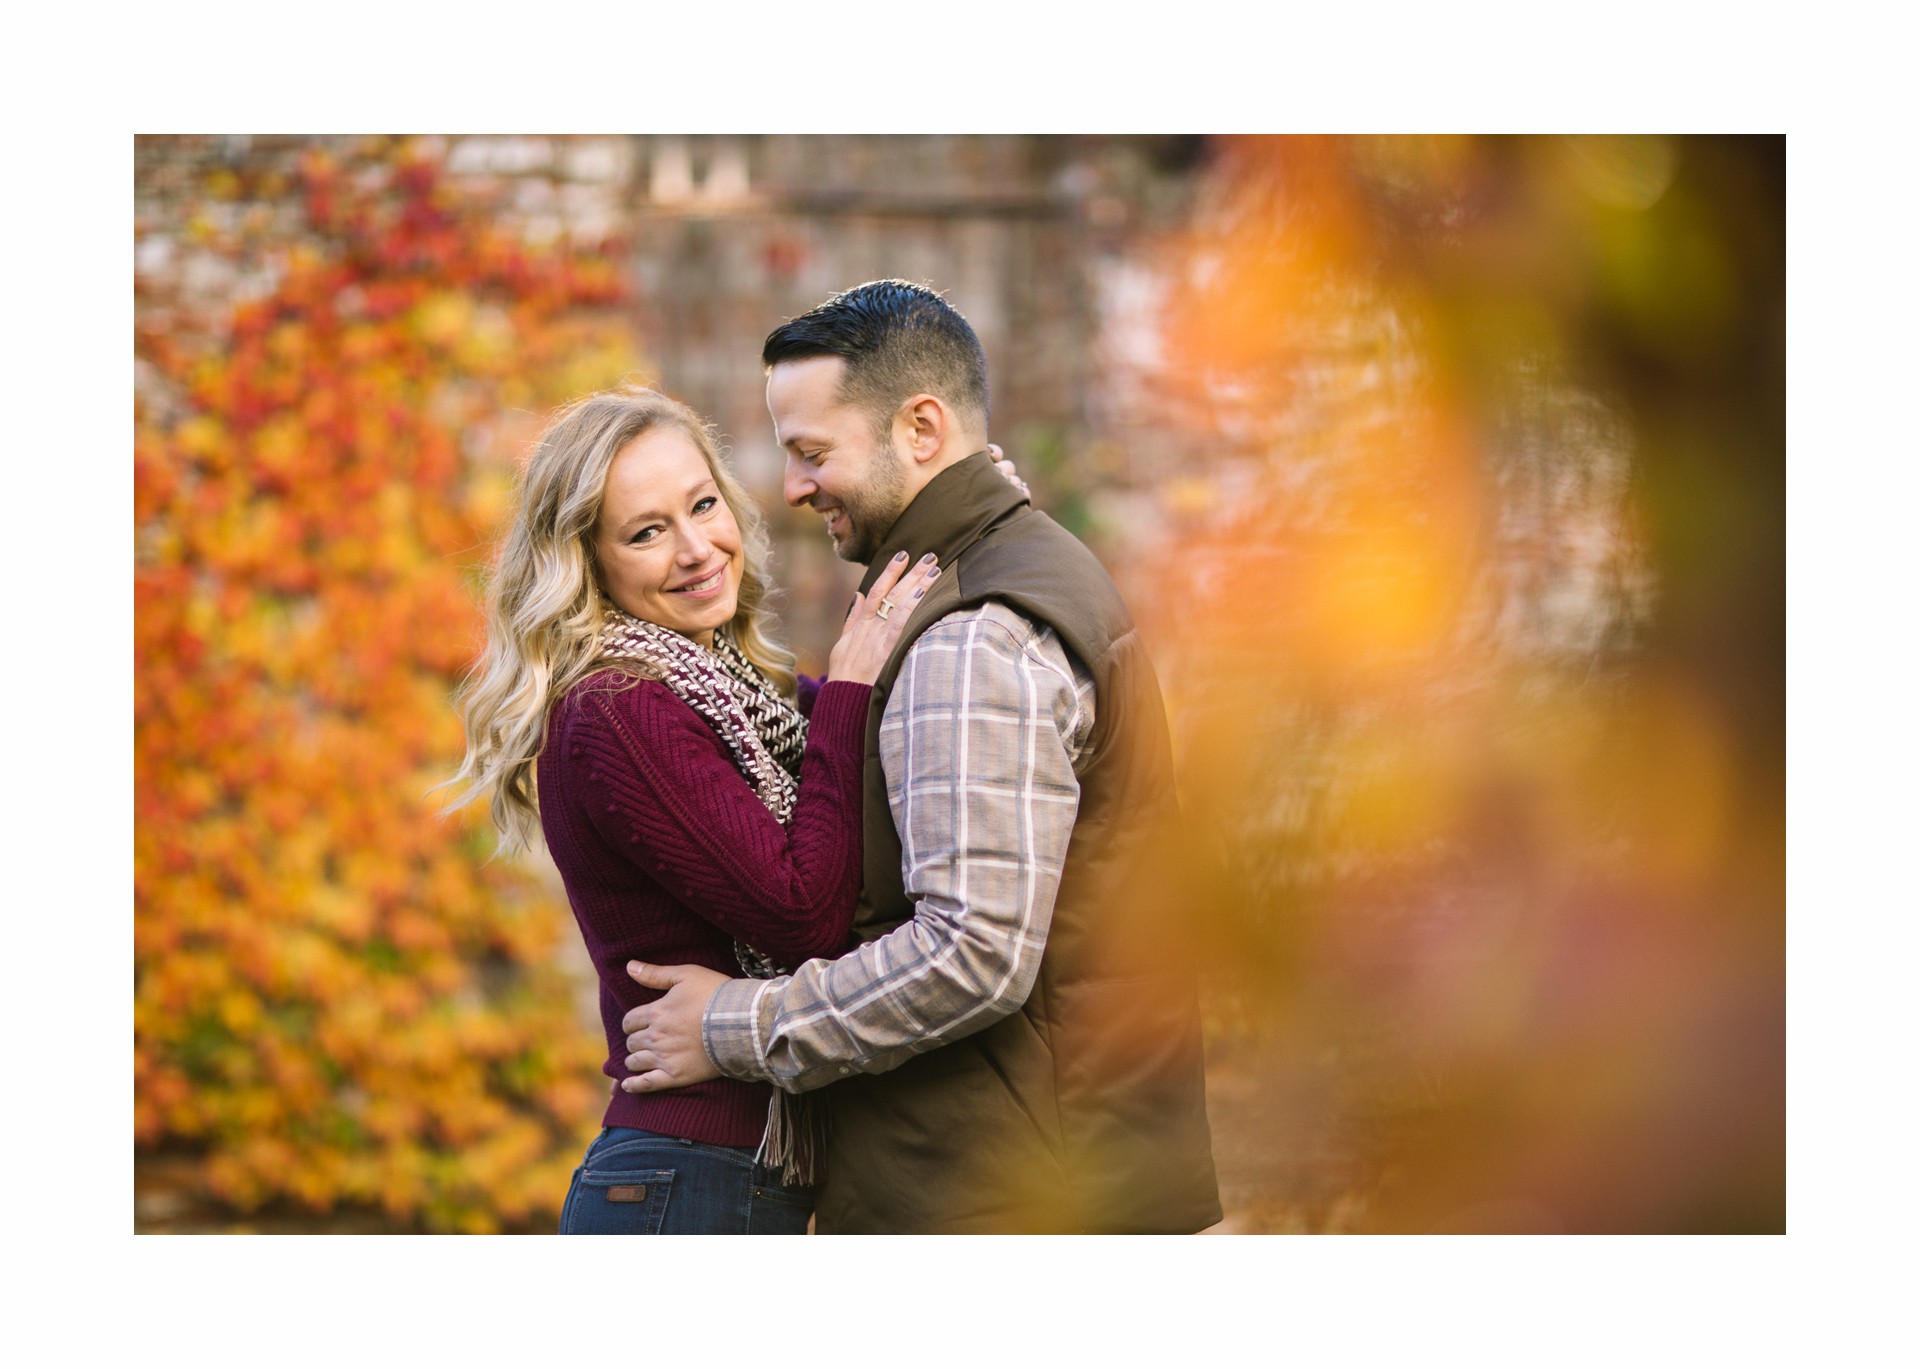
[707, 587]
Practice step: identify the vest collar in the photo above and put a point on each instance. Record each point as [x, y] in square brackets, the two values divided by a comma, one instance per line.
[949, 515]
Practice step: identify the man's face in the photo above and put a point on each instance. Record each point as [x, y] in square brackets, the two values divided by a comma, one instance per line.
[836, 465]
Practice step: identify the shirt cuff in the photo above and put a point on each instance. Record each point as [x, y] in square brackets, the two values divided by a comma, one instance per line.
[730, 1028]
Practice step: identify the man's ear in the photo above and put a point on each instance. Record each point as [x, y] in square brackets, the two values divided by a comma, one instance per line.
[926, 423]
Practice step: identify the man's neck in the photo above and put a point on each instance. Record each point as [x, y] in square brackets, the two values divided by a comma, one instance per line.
[952, 452]
[954, 504]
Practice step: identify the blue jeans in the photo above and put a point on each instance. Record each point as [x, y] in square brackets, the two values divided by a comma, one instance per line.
[640, 1183]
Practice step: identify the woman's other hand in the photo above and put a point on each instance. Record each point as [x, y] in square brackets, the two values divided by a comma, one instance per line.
[877, 619]
[1006, 469]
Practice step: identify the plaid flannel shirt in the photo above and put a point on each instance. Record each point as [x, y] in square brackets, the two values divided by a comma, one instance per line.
[979, 743]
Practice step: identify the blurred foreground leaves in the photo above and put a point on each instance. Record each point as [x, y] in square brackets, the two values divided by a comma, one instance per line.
[1470, 584]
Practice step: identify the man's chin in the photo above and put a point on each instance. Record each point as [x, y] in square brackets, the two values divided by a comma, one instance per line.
[851, 548]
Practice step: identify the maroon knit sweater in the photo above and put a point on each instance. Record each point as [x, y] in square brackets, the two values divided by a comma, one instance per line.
[668, 855]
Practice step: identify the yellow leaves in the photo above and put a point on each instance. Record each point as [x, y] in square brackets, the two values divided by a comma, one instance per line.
[1437, 163]
[1190, 495]
[316, 1183]
[1405, 792]
[397, 550]
[1627, 171]
[568, 1095]
[295, 1076]
[392, 1117]
[482, 1035]
[236, 1178]
[516, 392]
[306, 964]
[205, 439]
[350, 1028]
[443, 318]
[256, 1110]
[486, 345]
[489, 498]
[239, 1011]
[595, 362]
[276, 446]
[310, 1002]
[1376, 595]
[289, 344]
[196, 792]
[1665, 779]
[402, 999]
[511, 1145]
[222, 184]
[344, 911]
[361, 344]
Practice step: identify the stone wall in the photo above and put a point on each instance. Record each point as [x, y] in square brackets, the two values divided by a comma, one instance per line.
[733, 235]
[1031, 237]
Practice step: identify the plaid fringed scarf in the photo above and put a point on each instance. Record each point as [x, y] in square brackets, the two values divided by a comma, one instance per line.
[767, 736]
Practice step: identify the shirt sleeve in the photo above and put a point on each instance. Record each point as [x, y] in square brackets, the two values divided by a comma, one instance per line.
[978, 742]
[660, 786]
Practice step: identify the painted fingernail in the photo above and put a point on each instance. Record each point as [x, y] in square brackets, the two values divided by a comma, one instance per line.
[922, 590]
[932, 575]
[900, 556]
[925, 559]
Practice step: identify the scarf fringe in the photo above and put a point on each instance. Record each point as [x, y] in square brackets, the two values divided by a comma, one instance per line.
[792, 1141]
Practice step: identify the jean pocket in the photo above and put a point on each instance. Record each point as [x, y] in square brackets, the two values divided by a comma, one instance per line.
[776, 1210]
[616, 1202]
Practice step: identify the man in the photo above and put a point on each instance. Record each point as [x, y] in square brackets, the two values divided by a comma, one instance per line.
[1014, 1041]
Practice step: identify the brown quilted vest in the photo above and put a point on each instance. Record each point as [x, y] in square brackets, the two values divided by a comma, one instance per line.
[1086, 1109]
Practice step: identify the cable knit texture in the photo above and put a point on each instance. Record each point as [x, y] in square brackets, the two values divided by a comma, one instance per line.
[668, 855]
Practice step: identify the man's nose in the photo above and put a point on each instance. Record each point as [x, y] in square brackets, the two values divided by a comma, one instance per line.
[796, 485]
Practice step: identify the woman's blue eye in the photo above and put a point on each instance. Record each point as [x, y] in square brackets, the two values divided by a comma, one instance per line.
[644, 535]
[705, 505]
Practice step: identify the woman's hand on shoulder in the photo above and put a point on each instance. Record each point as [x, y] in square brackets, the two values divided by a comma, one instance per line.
[878, 617]
[1006, 469]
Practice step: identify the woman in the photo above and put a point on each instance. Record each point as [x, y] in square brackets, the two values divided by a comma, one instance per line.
[700, 808]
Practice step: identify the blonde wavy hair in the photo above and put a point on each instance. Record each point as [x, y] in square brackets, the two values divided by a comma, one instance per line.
[546, 607]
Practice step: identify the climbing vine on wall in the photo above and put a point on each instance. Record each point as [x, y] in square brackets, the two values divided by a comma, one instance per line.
[341, 997]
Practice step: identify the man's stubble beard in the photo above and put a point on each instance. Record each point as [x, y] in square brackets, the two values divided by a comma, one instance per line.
[871, 513]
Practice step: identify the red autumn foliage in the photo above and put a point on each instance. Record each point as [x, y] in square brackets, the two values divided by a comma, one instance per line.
[340, 998]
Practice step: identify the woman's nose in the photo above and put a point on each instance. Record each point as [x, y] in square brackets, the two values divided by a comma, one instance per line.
[695, 547]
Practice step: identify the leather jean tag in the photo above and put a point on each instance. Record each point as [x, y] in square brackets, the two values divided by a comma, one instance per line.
[627, 1193]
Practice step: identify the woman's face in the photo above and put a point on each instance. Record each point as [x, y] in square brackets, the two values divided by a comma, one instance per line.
[668, 547]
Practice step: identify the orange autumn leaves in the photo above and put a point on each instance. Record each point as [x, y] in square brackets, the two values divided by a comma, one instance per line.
[339, 997]
[1469, 671]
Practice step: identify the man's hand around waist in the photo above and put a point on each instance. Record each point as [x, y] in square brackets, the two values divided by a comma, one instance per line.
[664, 1036]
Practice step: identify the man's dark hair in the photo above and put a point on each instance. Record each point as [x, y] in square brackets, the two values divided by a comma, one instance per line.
[898, 339]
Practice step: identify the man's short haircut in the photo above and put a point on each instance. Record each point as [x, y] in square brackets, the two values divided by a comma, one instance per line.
[898, 339]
